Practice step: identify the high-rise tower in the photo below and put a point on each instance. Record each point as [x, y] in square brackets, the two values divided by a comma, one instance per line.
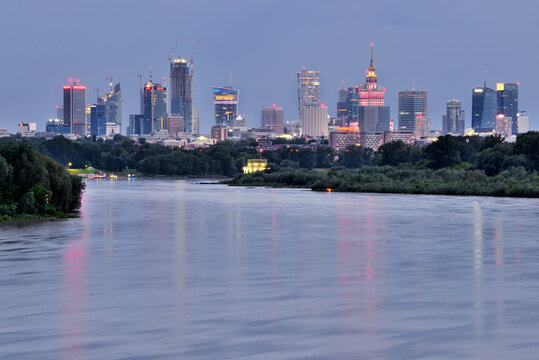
[373, 115]
[155, 107]
[181, 102]
[483, 109]
[113, 105]
[273, 119]
[75, 108]
[507, 101]
[413, 107]
[225, 101]
[308, 88]
[453, 120]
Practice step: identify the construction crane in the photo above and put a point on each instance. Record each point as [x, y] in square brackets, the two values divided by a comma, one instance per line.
[192, 63]
[171, 53]
[96, 93]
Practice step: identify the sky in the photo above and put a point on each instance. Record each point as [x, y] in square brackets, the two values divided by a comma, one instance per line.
[445, 47]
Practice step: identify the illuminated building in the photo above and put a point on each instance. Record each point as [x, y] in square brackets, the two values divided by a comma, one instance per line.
[98, 121]
[26, 128]
[254, 165]
[113, 105]
[181, 98]
[57, 127]
[503, 125]
[75, 108]
[308, 89]
[342, 108]
[219, 132]
[372, 114]
[314, 121]
[273, 119]
[413, 106]
[225, 101]
[483, 109]
[453, 120]
[155, 108]
[523, 123]
[507, 101]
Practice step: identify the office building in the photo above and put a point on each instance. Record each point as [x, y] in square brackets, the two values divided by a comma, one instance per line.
[484, 109]
[175, 124]
[181, 96]
[195, 121]
[219, 132]
[3, 132]
[308, 88]
[155, 107]
[273, 119]
[503, 125]
[57, 127]
[113, 105]
[75, 108]
[523, 123]
[314, 121]
[98, 121]
[225, 101]
[112, 129]
[453, 120]
[60, 112]
[507, 103]
[413, 106]
[342, 108]
[26, 128]
[136, 124]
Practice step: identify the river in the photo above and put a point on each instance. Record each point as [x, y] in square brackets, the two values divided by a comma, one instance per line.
[170, 269]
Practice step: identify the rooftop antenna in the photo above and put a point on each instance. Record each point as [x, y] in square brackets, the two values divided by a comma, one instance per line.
[485, 73]
[372, 53]
[413, 85]
[151, 74]
[230, 79]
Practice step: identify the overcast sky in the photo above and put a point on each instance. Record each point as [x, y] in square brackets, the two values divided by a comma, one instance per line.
[447, 47]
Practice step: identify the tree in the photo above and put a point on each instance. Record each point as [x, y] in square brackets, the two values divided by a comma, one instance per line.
[355, 156]
[528, 145]
[444, 152]
[394, 153]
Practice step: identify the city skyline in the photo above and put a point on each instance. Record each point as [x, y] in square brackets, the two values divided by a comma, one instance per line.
[446, 76]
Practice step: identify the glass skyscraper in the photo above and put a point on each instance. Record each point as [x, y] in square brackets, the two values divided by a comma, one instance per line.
[225, 101]
[484, 109]
[308, 88]
[98, 121]
[75, 108]
[155, 107]
[413, 104]
[453, 120]
[181, 96]
[507, 99]
[113, 105]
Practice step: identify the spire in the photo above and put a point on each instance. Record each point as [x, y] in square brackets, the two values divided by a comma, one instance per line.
[372, 54]
[372, 78]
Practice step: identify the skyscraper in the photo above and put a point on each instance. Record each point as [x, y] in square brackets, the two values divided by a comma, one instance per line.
[113, 105]
[453, 120]
[181, 102]
[155, 107]
[523, 123]
[308, 88]
[342, 109]
[75, 108]
[314, 121]
[273, 119]
[225, 101]
[373, 115]
[60, 112]
[483, 109]
[413, 103]
[507, 100]
[98, 122]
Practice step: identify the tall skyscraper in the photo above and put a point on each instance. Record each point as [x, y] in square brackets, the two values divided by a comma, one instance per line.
[314, 121]
[308, 88]
[225, 101]
[373, 115]
[507, 100]
[98, 122]
[273, 119]
[113, 105]
[60, 112]
[75, 108]
[484, 109]
[453, 120]
[195, 121]
[413, 105]
[181, 102]
[342, 109]
[155, 107]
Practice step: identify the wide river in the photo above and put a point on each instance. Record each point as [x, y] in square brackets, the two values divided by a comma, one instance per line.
[171, 269]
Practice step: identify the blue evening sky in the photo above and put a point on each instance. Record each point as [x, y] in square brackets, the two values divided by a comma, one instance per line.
[447, 47]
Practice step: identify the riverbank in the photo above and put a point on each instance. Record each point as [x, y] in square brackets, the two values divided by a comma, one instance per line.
[386, 179]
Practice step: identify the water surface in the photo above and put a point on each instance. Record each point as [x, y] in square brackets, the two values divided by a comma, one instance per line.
[171, 269]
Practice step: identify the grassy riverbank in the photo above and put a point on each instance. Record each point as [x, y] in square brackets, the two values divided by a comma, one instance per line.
[386, 179]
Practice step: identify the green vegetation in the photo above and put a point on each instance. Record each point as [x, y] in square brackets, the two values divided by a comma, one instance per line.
[33, 185]
[483, 166]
